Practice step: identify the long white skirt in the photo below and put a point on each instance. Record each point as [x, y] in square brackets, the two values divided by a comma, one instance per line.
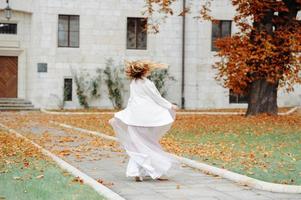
[142, 145]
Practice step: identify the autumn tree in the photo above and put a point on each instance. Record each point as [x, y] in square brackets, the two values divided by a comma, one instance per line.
[263, 57]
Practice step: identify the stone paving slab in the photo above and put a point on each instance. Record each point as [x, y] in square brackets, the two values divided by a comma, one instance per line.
[184, 183]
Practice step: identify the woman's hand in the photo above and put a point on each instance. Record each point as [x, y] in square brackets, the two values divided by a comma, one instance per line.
[174, 107]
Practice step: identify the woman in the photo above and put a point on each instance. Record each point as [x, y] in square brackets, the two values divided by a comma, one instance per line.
[139, 127]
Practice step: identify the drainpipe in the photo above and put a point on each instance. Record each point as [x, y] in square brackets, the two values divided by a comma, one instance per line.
[183, 56]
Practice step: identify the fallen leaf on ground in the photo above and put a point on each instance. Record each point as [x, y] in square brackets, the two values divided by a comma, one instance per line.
[78, 180]
[40, 176]
[17, 178]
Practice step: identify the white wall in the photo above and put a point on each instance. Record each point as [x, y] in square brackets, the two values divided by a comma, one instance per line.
[103, 36]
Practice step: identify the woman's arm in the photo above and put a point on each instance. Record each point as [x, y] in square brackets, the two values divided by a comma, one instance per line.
[153, 92]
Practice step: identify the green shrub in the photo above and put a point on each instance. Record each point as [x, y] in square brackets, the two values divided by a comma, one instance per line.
[114, 77]
[81, 85]
[95, 84]
[160, 77]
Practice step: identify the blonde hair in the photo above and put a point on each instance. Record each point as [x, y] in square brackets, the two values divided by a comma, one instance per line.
[136, 69]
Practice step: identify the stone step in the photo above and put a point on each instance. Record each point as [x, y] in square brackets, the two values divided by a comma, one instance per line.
[15, 104]
[18, 108]
[12, 99]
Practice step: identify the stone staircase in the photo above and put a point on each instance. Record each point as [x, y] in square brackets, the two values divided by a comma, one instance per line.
[15, 104]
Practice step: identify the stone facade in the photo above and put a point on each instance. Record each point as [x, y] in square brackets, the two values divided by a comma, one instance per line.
[103, 26]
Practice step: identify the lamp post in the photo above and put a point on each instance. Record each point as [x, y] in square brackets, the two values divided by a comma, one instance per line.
[7, 11]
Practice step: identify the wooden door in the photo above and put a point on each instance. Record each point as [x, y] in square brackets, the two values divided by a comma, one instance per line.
[8, 77]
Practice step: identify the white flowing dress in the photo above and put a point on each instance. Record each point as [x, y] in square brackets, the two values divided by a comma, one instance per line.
[139, 127]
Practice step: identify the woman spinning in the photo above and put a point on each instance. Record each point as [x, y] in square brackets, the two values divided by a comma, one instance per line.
[139, 127]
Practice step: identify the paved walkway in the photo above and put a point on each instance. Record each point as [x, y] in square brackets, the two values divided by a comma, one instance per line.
[109, 166]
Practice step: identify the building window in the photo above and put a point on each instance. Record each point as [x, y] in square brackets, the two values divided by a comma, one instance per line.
[68, 31]
[136, 33]
[68, 89]
[236, 98]
[6, 28]
[220, 29]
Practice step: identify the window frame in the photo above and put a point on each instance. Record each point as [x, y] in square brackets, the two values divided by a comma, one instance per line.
[136, 33]
[220, 25]
[71, 89]
[68, 31]
[239, 99]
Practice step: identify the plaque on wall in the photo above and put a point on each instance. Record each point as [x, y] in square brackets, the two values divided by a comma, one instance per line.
[42, 67]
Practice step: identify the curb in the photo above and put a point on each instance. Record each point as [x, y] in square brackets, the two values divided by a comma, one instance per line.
[74, 113]
[178, 113]
[235, 177]
[290, 111]
[241, 179]
[99, 188]
[85, 130]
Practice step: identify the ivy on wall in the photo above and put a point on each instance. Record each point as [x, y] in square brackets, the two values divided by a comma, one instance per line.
[113, 76]
[160, 78]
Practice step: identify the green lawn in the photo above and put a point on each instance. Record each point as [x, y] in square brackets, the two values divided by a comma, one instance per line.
[270, 157]
[26, 175]
[268, 150]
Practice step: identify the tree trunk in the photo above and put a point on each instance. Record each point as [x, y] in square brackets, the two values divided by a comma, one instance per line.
[262, 98]
[262, 94]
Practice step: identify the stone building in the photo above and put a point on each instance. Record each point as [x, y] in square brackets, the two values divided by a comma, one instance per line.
[45, 39]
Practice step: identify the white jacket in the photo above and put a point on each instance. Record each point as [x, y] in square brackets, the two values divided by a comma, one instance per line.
[146, 107]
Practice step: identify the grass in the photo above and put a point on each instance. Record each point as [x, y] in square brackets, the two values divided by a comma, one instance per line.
[26, 174]
[24, 183]
[271, 157]
[265, 148]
